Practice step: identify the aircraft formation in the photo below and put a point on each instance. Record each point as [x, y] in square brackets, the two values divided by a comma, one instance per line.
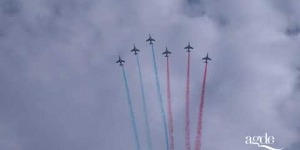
[168, 127]
[166, 52]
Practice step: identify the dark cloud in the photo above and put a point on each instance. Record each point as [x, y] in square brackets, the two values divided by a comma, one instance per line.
[10, 7]
[294, 146]
[293, 30]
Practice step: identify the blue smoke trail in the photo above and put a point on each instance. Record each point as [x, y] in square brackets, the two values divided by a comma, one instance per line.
[144, 104]
[131, 111]
[160, 98]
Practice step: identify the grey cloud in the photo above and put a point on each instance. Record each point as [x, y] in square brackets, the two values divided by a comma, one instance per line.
[61, 89]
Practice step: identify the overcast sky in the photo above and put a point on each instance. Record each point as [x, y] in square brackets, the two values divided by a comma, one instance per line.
[60, 88]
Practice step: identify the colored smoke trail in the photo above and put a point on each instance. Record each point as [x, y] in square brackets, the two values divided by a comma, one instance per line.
[171, 130]
[144, 105]
[160, 98]
[199, 128]
[187, 108]
[131, 111]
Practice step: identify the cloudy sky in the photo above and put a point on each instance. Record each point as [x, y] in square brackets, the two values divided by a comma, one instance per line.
[60, 88]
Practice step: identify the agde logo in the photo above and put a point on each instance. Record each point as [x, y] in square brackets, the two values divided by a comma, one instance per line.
[262, 141]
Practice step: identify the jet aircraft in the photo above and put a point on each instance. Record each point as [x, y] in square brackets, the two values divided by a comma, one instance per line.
[189, 47]
[166, 53]
[135, 50]
[150, 39]
[120, 61]
[206, 58]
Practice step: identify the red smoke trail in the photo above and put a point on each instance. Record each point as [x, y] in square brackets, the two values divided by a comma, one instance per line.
[187, 108]
[171, 130]
[199, 128]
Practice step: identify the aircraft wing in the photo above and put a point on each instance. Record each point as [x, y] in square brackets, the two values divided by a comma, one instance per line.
[206, 58]
[189, 47]
[150, 39]
[135, 50]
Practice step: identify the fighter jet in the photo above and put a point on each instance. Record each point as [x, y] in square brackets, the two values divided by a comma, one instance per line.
[150, 39]
[206, 58]
[189, 47]
[120, 61]
[135, 50]
[166, 52]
